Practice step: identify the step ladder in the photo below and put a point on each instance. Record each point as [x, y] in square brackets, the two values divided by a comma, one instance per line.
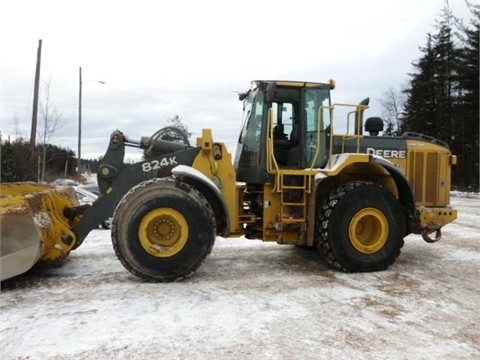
[288, 193]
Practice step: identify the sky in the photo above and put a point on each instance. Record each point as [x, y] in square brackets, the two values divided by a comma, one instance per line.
[191, 58]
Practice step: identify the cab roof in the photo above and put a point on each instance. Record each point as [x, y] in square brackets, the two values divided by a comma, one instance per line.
[330, 83]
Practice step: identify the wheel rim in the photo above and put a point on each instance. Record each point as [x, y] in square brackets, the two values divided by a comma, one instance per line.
[163, 232]
[368, 230]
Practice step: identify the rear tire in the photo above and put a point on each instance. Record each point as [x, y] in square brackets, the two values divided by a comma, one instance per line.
[163, 230]
[360, 227]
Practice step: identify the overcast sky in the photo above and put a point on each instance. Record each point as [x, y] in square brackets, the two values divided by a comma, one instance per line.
[162, 58]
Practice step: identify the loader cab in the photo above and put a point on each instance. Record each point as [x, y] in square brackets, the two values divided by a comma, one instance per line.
[285, 126]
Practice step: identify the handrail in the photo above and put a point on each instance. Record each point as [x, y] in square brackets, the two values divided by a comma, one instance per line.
[359, 109]
[319, 131]
[271, 161]
[272, 165]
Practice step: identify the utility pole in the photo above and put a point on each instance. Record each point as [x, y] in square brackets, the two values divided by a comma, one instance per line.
[33, 133]
[79, 159]
[79, 155]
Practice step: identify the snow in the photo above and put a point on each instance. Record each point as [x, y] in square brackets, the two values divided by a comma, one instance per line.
[42, 219]
[253, 300]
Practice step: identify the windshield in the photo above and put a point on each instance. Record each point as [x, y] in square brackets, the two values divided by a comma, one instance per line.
[248, 148]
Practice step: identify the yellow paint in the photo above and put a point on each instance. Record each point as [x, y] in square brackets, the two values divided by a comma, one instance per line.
[435, 217]
[163, 232]
[368, 230]
[428, 170]
[43, 205]
[221, 172]
[338, 163]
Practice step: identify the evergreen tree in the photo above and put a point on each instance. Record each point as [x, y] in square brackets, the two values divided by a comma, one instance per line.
[59, 162]
[467, 108]
[433, 91]
[442, 97]
[18, 163]
[420, 96]
[8, 167]
[446, 75]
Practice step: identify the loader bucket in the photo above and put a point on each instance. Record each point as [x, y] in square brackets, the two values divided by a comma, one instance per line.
[33, 228]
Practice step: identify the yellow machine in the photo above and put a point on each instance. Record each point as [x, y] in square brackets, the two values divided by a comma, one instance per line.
[33, 227]
[294, 180]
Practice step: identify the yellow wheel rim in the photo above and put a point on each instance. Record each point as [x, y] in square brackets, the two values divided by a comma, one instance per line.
[163, 232]
[368, 230]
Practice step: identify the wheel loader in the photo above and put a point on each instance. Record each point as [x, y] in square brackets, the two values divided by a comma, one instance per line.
[351, 194]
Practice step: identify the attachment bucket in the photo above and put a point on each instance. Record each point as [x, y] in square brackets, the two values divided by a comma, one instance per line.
[33, 227]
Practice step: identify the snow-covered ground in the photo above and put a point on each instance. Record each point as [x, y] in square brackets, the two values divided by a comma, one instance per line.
[251, 300]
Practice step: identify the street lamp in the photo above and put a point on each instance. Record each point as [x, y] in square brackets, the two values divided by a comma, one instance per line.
[79, 157]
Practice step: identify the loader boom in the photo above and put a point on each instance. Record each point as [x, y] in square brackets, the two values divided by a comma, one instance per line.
[115, 178]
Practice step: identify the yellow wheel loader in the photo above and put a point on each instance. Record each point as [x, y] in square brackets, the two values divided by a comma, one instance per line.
[352, 194]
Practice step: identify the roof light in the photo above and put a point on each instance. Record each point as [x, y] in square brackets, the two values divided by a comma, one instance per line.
[331, 82]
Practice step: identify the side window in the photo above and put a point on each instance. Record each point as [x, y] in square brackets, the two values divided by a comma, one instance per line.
[326, 112]
[250, 140]
[287, 118]
[283, 119]
[254, 128]
[317, 121]
[311, 119]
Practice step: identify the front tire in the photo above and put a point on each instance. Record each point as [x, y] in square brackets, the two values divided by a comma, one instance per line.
[360, 227]
[163, 230]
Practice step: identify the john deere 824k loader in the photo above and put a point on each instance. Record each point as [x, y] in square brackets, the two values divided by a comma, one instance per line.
[353, 195]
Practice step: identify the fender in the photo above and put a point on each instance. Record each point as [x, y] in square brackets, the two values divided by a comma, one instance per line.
[341, 161]
[211, 192]
[404, 188]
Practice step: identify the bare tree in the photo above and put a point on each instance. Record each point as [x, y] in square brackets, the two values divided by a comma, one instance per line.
[392, 103]
[18, 131]
[51, 121]
[176, 132]
[176, 122]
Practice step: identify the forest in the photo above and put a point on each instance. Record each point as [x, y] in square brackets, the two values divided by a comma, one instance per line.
[441, 97]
